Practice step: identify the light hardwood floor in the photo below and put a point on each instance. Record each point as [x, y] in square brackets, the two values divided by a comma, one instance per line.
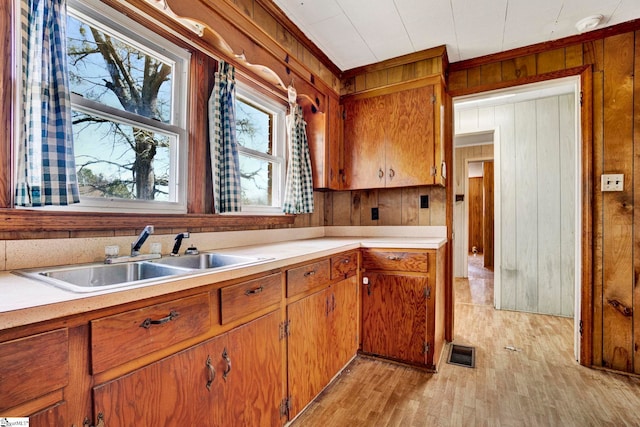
[538, 384]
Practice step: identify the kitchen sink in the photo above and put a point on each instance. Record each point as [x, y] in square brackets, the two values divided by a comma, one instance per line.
[207, 260]
[95, 277]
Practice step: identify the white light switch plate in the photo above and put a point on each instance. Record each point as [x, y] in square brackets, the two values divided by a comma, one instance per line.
[612, 182]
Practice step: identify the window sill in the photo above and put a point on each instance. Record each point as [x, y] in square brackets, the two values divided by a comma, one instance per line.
[32, 220]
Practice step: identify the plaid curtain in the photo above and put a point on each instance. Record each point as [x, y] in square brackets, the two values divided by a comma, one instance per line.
[46, 170]
[225, 164]
[298, 198]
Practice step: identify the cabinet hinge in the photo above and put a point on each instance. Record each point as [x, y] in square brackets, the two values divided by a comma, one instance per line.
[433, 99]
[581, 97]
[285, 407]
[344, 115]
[427, 292]
[426, 348]
[581, 327]
[285, 330]
[434, 171]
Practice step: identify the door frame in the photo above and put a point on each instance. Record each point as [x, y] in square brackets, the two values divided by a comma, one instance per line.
[583, 316]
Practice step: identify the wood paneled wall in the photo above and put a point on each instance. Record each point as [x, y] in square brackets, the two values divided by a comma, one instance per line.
[396, 206]
[614, 141]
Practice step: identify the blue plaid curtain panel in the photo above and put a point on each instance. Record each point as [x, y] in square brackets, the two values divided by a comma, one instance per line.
[225, 163]
[46, 171]
[298, 198]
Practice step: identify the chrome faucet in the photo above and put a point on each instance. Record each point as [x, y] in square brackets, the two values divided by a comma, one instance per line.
[135, 246]
[176, 246]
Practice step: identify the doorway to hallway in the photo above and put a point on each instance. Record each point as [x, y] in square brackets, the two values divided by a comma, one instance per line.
[534, 139]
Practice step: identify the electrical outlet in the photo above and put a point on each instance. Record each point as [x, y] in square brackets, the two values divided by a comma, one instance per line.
[612, 182]
[424, 201]
[374, 214]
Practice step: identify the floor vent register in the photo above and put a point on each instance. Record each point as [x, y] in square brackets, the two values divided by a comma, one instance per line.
[462, 356]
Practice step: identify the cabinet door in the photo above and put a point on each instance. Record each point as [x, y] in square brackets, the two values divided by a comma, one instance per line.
[306, 349]
[254, 387]
[180, 390]
[364, 143]
[343, 328]
[394, 313]
[410, 142]
[335, 144]
[32, 367]
[54, 416]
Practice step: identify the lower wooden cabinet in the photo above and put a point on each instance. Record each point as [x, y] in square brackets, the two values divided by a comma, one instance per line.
[403, 305]
[262, 371]
[230, 380]
[322, 339]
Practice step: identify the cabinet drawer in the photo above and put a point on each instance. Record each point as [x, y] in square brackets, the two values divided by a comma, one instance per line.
[33, 366]
[248, 297]
[306, 277]
[344, 265]
[395, 260]
[126, 336]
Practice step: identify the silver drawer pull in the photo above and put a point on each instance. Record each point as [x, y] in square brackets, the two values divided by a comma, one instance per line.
[254, 291]
[394, 258]
[148, 322]
[309, 273]
[346, 261]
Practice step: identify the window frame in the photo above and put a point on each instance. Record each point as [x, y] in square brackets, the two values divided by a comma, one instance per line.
[109, 20]
[278, 110]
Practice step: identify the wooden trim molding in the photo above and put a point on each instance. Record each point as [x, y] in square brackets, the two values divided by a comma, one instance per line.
[435, 52]
[434, 79]
[13, 220]
[6, 101]
[519, 82]
[625, 27]
[587, 247]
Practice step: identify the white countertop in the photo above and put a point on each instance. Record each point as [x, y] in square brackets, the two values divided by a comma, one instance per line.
[24, 301]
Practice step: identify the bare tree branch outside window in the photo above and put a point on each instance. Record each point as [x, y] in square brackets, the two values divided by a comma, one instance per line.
[115, 159]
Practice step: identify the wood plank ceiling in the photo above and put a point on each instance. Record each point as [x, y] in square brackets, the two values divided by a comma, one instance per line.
[359, 32]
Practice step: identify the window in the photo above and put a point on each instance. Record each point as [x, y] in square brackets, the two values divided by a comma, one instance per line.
[260, 129]
[129, 89]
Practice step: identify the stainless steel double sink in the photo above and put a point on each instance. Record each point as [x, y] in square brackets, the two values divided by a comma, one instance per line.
[97, 277]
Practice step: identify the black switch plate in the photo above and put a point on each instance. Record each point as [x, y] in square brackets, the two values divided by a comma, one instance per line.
[374, 214]
[424, 202]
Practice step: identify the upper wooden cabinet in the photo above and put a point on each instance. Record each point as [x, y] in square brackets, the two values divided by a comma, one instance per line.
[392, 136]
[324, 133]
